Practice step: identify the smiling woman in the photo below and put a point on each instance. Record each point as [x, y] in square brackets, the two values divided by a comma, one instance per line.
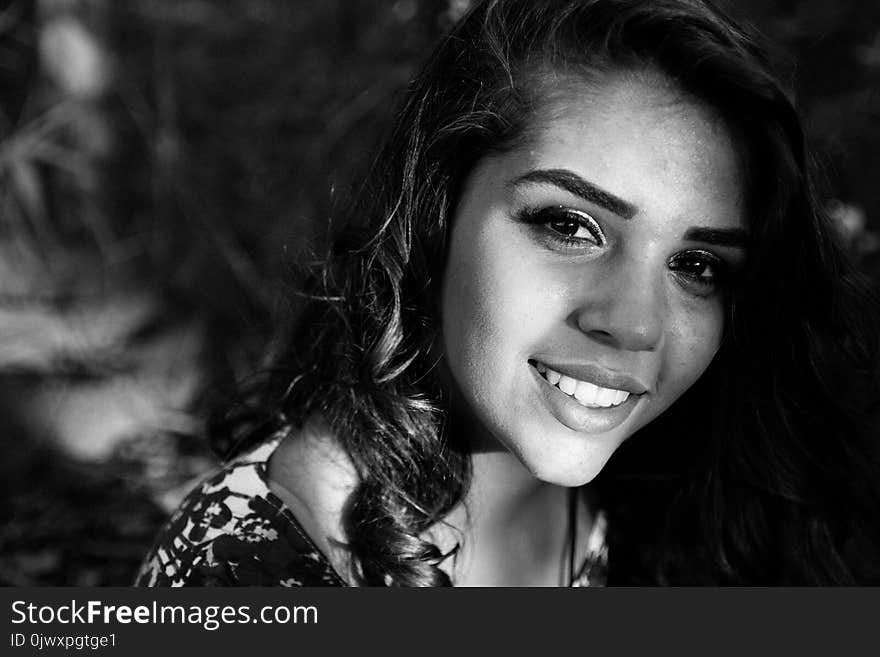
[583, 324]
[606, 292]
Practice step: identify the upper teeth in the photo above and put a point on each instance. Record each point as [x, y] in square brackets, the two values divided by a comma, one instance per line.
[588, 394]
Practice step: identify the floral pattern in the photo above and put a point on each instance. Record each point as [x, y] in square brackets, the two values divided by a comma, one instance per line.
[232, 530]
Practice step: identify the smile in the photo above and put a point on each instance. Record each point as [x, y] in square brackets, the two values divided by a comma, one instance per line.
[585, 393]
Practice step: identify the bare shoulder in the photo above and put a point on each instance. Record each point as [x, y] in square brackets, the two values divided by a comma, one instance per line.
[314, 477]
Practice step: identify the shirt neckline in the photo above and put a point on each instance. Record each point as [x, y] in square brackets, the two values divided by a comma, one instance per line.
[259, 458]
[260, 455]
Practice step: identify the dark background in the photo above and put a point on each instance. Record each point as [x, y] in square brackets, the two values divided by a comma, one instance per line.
[162, 165]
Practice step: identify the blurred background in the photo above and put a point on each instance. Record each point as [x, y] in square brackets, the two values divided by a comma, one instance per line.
[163, 163]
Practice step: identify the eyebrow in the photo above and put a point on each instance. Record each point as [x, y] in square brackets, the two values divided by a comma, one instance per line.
[573, 183]
[733, 237]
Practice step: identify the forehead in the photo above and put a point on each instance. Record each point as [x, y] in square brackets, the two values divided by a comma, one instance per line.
[641, 138]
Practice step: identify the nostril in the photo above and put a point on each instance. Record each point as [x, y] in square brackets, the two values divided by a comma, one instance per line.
[630, 326]
[601, 335]
[632, 337]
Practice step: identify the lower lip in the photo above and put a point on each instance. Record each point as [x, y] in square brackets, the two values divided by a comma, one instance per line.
[580, 418]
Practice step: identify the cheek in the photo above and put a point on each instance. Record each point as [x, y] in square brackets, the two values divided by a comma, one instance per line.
[696, 339]
[493, 304]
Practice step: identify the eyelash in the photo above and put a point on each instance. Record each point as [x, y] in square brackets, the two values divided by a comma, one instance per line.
[703, 286]
[695, 284]
[544, 217]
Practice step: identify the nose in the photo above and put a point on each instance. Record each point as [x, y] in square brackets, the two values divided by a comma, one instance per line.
[624, 308]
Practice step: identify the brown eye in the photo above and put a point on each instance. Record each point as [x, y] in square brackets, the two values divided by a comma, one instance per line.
[574, 227]
[567, 227]
[697, 266]
[698, 272]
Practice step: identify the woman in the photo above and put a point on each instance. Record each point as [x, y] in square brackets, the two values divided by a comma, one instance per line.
[591, 233]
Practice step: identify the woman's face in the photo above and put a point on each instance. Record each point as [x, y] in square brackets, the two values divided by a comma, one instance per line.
[584, 287]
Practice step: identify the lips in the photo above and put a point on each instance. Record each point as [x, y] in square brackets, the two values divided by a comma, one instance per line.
[595, 375]
[582, 404]
[586, 393]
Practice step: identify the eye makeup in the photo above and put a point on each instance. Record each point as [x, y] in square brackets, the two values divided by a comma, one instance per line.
[563, 226]
[700, 272]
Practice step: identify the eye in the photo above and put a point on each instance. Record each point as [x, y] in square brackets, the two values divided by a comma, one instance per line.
[567, 225]
[699, 272]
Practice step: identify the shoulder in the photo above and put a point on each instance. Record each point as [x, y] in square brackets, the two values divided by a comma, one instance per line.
[313, 476]
[232, 530]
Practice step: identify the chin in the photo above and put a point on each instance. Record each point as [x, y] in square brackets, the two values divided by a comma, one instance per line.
[568, 468]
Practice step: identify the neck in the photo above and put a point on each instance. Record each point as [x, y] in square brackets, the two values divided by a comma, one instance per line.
[512, 528]
[500, 490]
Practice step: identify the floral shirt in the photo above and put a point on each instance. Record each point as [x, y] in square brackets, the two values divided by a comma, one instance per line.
[232, 530]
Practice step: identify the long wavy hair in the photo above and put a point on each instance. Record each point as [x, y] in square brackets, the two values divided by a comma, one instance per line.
[763, 473]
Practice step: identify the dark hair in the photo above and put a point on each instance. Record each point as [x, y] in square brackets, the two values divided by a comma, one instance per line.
[761, 473]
